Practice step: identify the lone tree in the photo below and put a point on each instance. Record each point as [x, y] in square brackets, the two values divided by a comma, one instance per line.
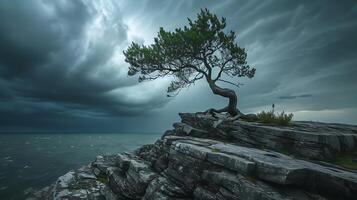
[201, 50]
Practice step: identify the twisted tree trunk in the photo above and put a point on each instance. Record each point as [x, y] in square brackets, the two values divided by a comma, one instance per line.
[228, 93]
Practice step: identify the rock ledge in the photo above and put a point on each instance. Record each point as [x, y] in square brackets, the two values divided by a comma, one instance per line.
[202, 159]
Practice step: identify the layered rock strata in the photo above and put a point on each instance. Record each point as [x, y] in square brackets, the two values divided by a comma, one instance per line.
[207, 158]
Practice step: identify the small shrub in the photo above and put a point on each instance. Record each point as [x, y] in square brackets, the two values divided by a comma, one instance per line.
[215, 150]
[103, 180]
[269, 117]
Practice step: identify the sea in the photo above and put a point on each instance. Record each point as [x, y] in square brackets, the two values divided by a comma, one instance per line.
[30, 161]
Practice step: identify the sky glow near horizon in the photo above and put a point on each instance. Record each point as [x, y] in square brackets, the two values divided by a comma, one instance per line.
[62, 67]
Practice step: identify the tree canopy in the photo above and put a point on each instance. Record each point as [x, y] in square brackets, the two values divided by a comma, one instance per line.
[200, 50]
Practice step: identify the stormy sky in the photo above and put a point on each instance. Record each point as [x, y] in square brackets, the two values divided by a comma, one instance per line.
[62, 67]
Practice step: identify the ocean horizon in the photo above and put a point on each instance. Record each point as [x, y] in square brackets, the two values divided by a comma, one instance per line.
[32, 160]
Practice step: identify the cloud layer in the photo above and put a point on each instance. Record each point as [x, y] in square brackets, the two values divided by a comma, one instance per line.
[61, 62]
[64, 58]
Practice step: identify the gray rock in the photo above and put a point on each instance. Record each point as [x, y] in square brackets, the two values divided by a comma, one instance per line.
[249, 117]
[232, 186]
[78, 184]
[163, 188]
[130, 181]
[101, 164]
[310, 140]
[204, 194]
[202, 158]
[269, 166]
[109, 194]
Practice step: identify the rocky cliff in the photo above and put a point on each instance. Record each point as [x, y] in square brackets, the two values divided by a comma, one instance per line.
[208, 158]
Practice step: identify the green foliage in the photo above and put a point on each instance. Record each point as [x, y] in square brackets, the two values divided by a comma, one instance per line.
[191, 53]
[269, 117]
[347, 160]
[103, 180]
[215, 150]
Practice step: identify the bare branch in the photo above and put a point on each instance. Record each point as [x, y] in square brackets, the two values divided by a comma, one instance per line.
[196, 78]
[235, 84]
[223, 68]
[209, 68]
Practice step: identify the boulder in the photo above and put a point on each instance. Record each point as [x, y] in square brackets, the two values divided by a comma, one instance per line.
[77, 184]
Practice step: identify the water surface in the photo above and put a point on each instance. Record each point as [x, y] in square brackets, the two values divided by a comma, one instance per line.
[29, 161]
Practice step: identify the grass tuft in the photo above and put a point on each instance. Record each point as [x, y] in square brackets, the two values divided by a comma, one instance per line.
[347, 160]
[103, 180]
[215, 150]
[269, 117]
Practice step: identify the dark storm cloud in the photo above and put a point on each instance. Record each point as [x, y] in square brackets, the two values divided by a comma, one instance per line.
[61, 62]
[305, 49]
[64, 58]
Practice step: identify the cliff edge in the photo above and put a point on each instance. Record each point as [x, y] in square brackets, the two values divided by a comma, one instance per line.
[208, 158]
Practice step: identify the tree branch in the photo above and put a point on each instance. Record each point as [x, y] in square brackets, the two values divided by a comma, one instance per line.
[222, 68]
[209, 75]
[197, 77]
[235, 84]
[197, 69]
